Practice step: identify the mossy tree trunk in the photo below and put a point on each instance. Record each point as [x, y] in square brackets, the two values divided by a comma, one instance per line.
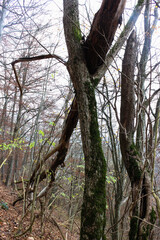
[80, 68]
[127, 113]
[72, 118]
[94, 203]
[140, 182]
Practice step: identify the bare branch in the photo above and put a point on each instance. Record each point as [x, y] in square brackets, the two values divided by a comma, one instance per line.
[40, 57]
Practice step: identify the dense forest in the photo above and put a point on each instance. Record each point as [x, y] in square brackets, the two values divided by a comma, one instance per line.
[80, 117]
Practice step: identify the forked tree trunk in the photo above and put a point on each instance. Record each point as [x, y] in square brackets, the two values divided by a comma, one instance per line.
[93, 216]
[72, 118]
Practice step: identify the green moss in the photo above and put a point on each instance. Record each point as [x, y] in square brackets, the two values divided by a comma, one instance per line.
[77, 32]
[97, 202]
[146, 232]
[153, 216]
[140, 2]
[94, 128]
[133, 228]
[134, 167]
[94, 219]
[95, 82]
[148, 227]
[134, 149]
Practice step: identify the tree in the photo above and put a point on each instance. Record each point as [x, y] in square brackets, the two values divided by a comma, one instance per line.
[81, 68]
[137, 155]
[86, 65]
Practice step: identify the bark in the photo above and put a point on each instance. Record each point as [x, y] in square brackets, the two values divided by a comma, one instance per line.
[94, 202]
[62, 148]
[155, 133]
[142, 73]
[70, 123]
[3, 11]
[127, 113]
[81, 67]
[121, 39]
[72, 118]
[140, 182]
[102, 33]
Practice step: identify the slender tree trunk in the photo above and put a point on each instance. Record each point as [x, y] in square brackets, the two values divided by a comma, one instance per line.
[11, 166]
[141, 187]
[128, 151]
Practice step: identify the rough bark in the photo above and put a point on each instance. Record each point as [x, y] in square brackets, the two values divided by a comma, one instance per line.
[69, 125]
[94, 203]
[140, 138]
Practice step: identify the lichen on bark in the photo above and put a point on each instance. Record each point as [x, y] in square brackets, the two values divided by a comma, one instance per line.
[95, 173]
[134, 168]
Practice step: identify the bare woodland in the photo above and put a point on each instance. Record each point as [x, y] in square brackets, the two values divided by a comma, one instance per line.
[80, 115]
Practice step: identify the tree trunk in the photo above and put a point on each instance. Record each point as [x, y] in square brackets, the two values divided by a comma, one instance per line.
[94, 203]
[128, 149]
[140, 184]
[80, 66]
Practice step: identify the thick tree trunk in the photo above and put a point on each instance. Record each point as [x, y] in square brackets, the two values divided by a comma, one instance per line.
[80, 66]
[94, 203]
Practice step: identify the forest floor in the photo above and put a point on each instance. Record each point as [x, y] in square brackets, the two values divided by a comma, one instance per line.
[11, 215]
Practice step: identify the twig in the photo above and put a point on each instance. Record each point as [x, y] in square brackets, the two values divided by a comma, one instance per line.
[53, 221]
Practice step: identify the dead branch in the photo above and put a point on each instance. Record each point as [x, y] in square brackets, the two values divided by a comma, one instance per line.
[102, 33]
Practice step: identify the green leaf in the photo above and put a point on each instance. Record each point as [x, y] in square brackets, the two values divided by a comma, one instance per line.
[41, 133]
[80, 166]
[63, 194]
[73, 196]
[108, 179]
[52, 124]
[113, 179]
[52, 75]
[31, 145]
[41, 140]
[70, 179]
